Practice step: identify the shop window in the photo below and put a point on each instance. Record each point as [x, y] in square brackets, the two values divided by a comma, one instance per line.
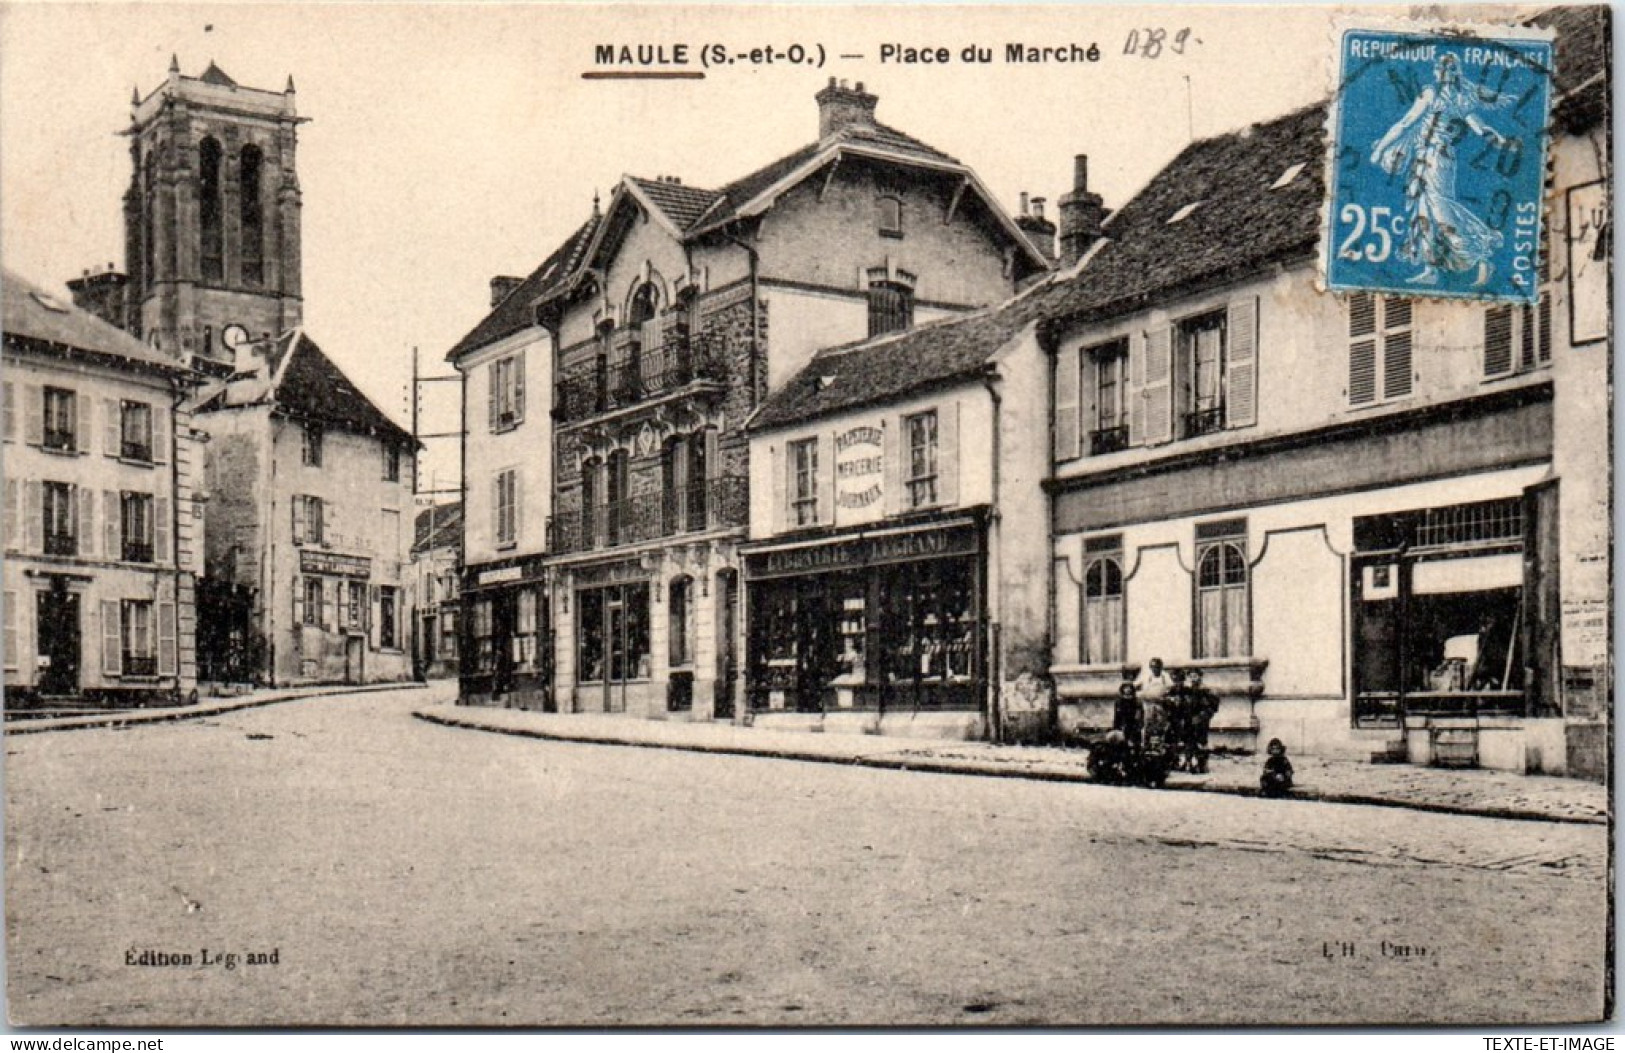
[61, 526]
[804, 482]
[136, 521]
[61, 420]
[137, 639]
[1103, 612]
[355, 606]
[1222, 600]
[891, 216]
[1109, 428]
[929, 635]
[1380, 344]
[1478, 522]
[613, 634]
[524, 641]
[135, 431]
[211, 231]
[314, 597]
[891, 306]
[484, 652]
[680, 622]
[921, 430]
[310, 446]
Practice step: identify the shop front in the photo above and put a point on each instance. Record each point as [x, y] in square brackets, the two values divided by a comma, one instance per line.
[506, 647]
[875, 622]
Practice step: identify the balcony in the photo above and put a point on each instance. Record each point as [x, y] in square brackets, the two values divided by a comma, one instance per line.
[711, 505]
[641, 375]
[1204, 422]
[1108, 440]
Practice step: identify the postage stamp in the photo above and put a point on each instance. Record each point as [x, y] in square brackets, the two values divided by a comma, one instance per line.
[1438, 159]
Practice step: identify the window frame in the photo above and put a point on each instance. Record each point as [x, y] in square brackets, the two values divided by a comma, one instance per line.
[1109, 356]
[137, 526]
[314, 588]
[392, 463]
[1091, 607]
[891, 305]
[312, 436]
[388, 620]
[57, 403]
[138, 638]
[58, 501]
[803, 469]
[1384, 337]
[922, 467]
[139, 447]
[890, 209]
[1219, 545]
[1194, 419]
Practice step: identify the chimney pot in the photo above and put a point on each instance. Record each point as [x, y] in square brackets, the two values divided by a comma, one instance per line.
[1022, 208]
[501, 286]
[841, 107]
[1080, 173]
[1038, 207]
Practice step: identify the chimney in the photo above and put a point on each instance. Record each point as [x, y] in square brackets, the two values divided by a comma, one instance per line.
[1081, 215]
[1039, 231]
[501, 286]
[841, 107]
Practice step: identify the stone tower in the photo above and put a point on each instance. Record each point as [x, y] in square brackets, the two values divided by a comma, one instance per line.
[211, 219]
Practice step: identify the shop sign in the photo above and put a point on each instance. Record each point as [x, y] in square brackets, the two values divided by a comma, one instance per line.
[501, 575]
[334, 563]
[864, 552]
[859, 468]
[611, 573]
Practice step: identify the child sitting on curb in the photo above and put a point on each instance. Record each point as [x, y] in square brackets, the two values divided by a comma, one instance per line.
[1277, 778]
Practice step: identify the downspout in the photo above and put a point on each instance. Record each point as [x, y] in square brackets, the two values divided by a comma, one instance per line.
[995, 707]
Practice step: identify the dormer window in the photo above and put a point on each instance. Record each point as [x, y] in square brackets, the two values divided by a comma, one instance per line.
[891, 216]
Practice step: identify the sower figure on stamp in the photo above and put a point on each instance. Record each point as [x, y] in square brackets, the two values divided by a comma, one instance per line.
[1442, 233]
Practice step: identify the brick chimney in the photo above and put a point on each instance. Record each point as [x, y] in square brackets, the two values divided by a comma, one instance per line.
[502, 285]
[841, 107]
[1039, 230]
[1081, 215]
[102, 293]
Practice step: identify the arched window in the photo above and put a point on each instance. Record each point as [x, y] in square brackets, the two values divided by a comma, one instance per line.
[891, 306]
[1103, 610]
[252, 214]
[643, 306]
[211, 248]
[680, 625]
[891, 216]
[1222, 629]
[616, 492]
[149, 225]
[591, 498]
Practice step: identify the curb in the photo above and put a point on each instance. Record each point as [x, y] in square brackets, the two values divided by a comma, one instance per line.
[133, 717]
[946, 768]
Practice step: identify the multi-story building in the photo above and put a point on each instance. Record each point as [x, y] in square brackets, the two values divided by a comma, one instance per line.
[101, 521]
[673, 313]
[1345, 511]
[437, 543]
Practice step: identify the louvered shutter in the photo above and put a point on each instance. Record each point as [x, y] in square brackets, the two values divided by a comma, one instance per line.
[84, 506]
[1067, 399]
[1159, 388]
[825, 478]
[299, 519]
[1134, 381]
[10, 641]
[160, 530]
[1241, 364]
[519, 388]
[8, 410]
[11, 522]
[330, 598]
[496, 509]
[112, 525]
[1396, 348]
[1543, 349]
[948, 453]
[162, 433]
[494, 380]
[82, 424]
[112, 654]
[166, 635]
[1497, 340]
[112, 419]
[298, 601]
[33, 414]
[1362, 349]
[516, 503]
[778, 467]
[34, 514]
[373, 618]
[329, 537]
[891, 466]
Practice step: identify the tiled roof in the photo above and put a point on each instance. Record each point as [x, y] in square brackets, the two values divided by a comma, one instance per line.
[438, 527]
[681, 204]
[305, 383]
[1583, 61]
[215, 75]
[514, 312]
[30, 312]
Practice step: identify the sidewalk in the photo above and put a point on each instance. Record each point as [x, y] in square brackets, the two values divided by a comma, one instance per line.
[1485, 793]
[206, 707]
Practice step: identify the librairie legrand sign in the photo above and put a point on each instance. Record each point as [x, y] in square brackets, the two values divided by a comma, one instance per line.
[937, 542]
[860, 470]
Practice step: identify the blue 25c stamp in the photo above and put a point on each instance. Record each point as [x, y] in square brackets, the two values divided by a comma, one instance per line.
[1438, 163]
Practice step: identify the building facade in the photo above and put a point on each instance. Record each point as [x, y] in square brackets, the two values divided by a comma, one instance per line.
[102, 524]
[1345, 511]
[436, 590]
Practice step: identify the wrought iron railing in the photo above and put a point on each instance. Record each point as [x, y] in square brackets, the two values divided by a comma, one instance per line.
[638, 374]
[1204, 422]
[1108, 440]
[707, 506]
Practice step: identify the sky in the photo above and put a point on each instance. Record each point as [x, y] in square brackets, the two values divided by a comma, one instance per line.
[451, 142]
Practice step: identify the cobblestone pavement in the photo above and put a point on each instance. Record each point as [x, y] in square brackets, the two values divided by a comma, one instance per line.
[1475, 792]
[404, 873]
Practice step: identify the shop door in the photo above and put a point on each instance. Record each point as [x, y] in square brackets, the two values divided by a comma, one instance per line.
[504, 618]
[820, 660]
[57, 612]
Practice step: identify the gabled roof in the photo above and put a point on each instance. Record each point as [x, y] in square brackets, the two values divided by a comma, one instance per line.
[215, 75]
[681, 204]
[30, 313]
[438, 527]
[516, 312]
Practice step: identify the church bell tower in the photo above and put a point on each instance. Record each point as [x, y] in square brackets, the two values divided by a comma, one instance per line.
[211, 219]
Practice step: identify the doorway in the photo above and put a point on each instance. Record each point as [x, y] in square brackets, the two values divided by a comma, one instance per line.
[57, 613]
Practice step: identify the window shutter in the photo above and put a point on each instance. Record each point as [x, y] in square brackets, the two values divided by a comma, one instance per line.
[330, 595]
[85, 508]
[1543, 349]
[779, 457]
[496, 509]
[327, 539]
[112, 437]
[160, 530]
[10, 642]
[948, 452]
[515, 503]
[112, 525]
[1159, 389]
[299, 519]
[1241, 366]
[892, 498]
[1396, 348]
[33, 414]
[372, 623]
[1498, 340]
[8, 411]
[34, 514]
[11, 522]
[826, 478]
[1067, 398]
[1362, 349]
[1134, 382]
[491, 405]
[81, 423]
[298, 601]
[519, 388]
[112, 656]
[166, 638]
